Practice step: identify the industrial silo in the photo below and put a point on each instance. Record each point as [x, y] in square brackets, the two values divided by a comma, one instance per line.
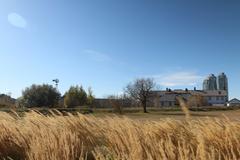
[210, 83]
[206, 84]
[213, 82]
[222, 82]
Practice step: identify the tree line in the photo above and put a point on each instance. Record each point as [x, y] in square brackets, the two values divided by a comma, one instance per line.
[46, 95]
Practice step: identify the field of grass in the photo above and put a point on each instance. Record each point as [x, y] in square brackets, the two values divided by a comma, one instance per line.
[37, 136]
[175, 113]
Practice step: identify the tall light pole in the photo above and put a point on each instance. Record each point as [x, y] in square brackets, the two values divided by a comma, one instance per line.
[56, 82]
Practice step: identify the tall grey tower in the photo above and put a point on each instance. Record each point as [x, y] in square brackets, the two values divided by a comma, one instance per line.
[210, 83]
[206, 84]
[222, 82]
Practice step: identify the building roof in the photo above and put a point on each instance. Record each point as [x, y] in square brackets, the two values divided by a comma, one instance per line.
[168, 97]
[216, 93]
[234, 101]
[192, 92]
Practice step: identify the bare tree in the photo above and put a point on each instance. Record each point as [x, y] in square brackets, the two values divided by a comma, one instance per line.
[140, 90]
[119, 102]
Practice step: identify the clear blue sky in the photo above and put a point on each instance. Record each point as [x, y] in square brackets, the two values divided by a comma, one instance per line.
[107, 43]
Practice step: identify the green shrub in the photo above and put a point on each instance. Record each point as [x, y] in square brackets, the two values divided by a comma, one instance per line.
[90, 97]
[76, 96]
[40, 96]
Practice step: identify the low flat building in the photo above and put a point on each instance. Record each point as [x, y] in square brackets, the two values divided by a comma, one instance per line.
[102, 103]
[6, 101]
[168, 98]
[216, 97]
[109, 103]
[233, 102]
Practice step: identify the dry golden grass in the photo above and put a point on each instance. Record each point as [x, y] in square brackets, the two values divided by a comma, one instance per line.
[184, 107]
[58, 137]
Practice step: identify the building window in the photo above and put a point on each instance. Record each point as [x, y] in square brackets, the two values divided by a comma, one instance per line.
[209, 98]
[217, 98]
[222, 98]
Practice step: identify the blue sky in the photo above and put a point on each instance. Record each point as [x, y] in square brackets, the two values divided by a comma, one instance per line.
[107, 43]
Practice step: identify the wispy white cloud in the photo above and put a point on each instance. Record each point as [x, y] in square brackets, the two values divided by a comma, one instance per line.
[17, 20]
[178, 79]
[97, 56]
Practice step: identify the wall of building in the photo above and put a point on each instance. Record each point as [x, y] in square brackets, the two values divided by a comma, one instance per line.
[215, 100]
[193, 97]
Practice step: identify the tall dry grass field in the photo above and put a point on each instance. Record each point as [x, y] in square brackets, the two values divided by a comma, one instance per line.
[58, 137]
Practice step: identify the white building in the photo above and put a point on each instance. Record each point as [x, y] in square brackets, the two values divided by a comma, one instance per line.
[168, 98]
[233, 102]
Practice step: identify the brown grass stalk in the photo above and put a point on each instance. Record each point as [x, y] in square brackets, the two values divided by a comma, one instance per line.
[55, 137]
